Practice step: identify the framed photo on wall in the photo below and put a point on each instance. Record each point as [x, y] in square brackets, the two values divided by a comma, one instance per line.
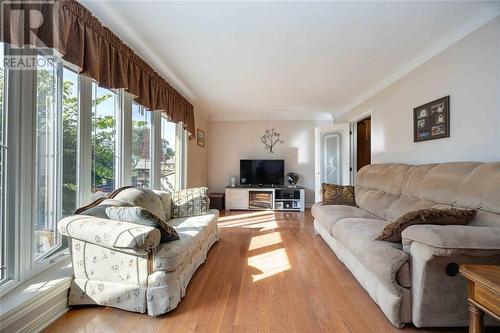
[432, 120]
[200, 138]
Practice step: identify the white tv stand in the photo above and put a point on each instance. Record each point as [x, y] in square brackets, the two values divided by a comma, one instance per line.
[283, 198]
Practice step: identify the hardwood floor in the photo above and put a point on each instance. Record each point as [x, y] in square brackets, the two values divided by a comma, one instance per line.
[268, 273]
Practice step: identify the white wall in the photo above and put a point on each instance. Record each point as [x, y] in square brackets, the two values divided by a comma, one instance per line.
[197, 156]
[229, 142]
[468, 71]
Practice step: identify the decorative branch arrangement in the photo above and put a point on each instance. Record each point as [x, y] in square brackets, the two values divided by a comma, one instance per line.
[270, 139]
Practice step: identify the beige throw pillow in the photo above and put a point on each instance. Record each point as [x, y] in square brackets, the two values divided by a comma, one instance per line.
[441, 216]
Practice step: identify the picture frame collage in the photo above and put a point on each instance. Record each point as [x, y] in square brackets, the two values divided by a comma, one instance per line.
[432, 120]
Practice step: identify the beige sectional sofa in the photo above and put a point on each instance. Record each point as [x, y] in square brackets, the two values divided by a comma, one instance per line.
[416, 281]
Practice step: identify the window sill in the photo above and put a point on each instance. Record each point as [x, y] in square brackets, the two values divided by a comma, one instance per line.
[51, 281]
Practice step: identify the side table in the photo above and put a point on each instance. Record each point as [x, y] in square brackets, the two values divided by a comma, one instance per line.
[483, 293]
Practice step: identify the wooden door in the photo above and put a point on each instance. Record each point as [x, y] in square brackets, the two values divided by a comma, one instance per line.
[363, 141]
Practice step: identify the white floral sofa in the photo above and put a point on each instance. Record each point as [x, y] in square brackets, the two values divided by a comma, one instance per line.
[124, 265]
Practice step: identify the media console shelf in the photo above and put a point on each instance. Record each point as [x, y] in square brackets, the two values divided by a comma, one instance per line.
[265, 198]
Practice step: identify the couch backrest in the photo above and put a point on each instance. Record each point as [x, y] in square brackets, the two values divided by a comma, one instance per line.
[166, 200]
[390, 190]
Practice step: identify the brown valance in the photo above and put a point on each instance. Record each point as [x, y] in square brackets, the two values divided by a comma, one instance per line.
[96, 51]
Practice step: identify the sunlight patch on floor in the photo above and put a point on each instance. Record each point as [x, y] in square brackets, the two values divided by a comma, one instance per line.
[269, 264]
[264, 240]
[244, 216]
[263, 226]
[245, 222]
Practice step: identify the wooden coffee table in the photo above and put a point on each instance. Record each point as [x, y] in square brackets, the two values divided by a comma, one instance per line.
[483, 293]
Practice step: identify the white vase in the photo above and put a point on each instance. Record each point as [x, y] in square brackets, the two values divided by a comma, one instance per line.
[232, 181]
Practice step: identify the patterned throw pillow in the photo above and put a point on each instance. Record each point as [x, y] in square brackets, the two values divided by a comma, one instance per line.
[99, 210]
[338, 195]
[142, 216]
[190, 202]
[145, 198]
[441, 216]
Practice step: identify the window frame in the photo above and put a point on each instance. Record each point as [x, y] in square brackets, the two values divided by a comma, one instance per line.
[152, 138]
[180, 147]
[20, 136]
[119, 133]
[9, 257]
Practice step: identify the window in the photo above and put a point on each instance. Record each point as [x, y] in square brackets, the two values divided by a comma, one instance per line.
[141, 146]
[171, 159]
[104, 144]
[56, 122]
[69, 184]
[3, 168]
[74, 141]
[46, 156]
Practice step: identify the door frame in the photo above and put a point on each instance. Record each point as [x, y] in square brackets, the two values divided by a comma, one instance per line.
[353, 143]
[343, 130]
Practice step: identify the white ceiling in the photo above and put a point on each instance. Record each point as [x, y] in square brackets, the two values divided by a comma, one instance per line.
[287, 60]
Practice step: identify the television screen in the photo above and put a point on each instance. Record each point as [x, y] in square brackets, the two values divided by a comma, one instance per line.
[262, 172]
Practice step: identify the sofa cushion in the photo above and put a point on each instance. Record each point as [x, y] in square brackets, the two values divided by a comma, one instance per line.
[383, 259]
[192, 231]
[334, 194]
[442, 183]
[404, 205]
[142, 216]
[143, 197]
[125, 236]
[456, 239]
[448, 216]
[315, 207]
[328, 215]
[378, 186]
[166, 200]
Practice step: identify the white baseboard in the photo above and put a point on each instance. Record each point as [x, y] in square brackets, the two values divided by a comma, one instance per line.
[39, 311]
[46, 318]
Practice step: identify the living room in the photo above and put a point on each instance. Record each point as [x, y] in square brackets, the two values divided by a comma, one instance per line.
[320, 166]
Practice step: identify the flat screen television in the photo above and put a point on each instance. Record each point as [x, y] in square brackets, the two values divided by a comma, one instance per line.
[262, 172]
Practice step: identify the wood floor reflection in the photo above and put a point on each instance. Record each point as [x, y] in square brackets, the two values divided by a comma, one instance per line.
[268, 273]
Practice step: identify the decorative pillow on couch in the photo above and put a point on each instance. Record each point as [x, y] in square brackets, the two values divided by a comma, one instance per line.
[142, 216]
[190, 202]
[145, 198]
[99, 209]
[442, 216]
[338, 195]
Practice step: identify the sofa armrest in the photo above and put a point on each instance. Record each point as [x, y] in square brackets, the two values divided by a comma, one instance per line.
[112, 234]
[453, 240]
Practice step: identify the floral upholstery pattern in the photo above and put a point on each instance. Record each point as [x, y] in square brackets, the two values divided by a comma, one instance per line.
[95, 262]
[192, 231]
[111, 234]
[123, 296]
[124, 265]
[166, 288]
[142, 216]
[166, 200]
[190, 202]
[145, 198]
[100, 209]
